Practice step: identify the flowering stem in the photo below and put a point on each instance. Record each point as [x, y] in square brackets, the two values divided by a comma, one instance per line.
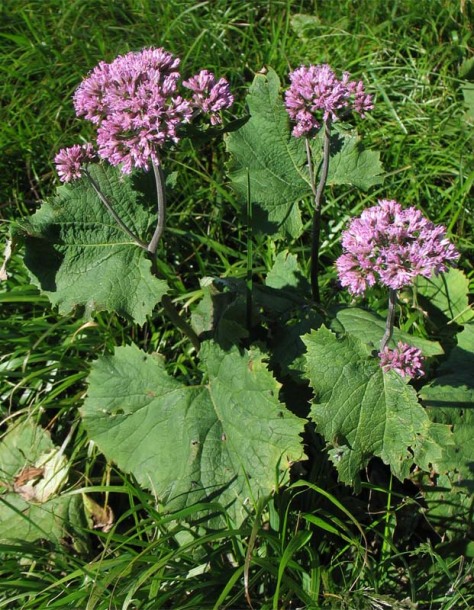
[161, 209]
[392, 302]
[318, 197]
[113, 213]
[166, 302]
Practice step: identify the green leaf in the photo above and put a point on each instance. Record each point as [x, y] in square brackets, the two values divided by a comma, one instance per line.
[286, 274]
[268, 161]
[363, 412]
[350, 164]
[229, 438]
[448, 293]
[369, 328]
[449, 399]
[270, 166]
[80, 258]
[221, 314]
[286, 287]
[31, 473]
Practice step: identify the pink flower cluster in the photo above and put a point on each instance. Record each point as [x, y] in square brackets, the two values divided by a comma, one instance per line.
[69, 161]
[315, 91]
[210, 96]
[135, 104]
[391, 246]
[406, 360]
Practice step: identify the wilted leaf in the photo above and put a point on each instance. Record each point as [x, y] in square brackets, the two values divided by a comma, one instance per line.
[98, 517]
[81, 259]
[32, 472]
[228, 438]
[45, 478]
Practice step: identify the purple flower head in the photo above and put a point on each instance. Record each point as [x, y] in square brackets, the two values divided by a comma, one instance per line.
[391, 246]
[406, 360]
[315, 92]
[69, 161]
[135, 105]
[209, 96]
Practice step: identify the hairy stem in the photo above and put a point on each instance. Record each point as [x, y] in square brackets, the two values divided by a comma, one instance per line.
[392, 302]
[161, 209]
[113, 213]
[318, 199]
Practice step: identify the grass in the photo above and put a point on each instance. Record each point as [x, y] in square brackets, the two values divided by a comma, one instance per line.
[306, 547]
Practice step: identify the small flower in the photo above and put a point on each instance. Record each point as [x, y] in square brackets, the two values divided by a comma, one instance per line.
[135, 105]
[392, 246]
[210, 96]
[406, 360]
[315, 91]
[69, 161]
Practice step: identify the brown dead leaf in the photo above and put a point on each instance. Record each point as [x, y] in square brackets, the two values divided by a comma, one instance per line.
[99, 517]
[24, 482]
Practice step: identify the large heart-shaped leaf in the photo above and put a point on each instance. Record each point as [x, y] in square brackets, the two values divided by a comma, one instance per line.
[228, 438]
[363, 412]
[78, 255]
[269, 166]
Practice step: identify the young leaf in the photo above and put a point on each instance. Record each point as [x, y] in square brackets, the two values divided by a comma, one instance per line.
[80, 258]
[270, 165]
[229, 438]
[363, 412]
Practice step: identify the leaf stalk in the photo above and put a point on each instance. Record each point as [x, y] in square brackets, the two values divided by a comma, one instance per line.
[318, 191]
[112, 212]
[392, 303]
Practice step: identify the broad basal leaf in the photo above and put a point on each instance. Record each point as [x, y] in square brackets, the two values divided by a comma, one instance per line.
[448, 293]
[369, 328]
[269, 166]
[229, 438]
[79, 256]
[32, 472]
[363, 412]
